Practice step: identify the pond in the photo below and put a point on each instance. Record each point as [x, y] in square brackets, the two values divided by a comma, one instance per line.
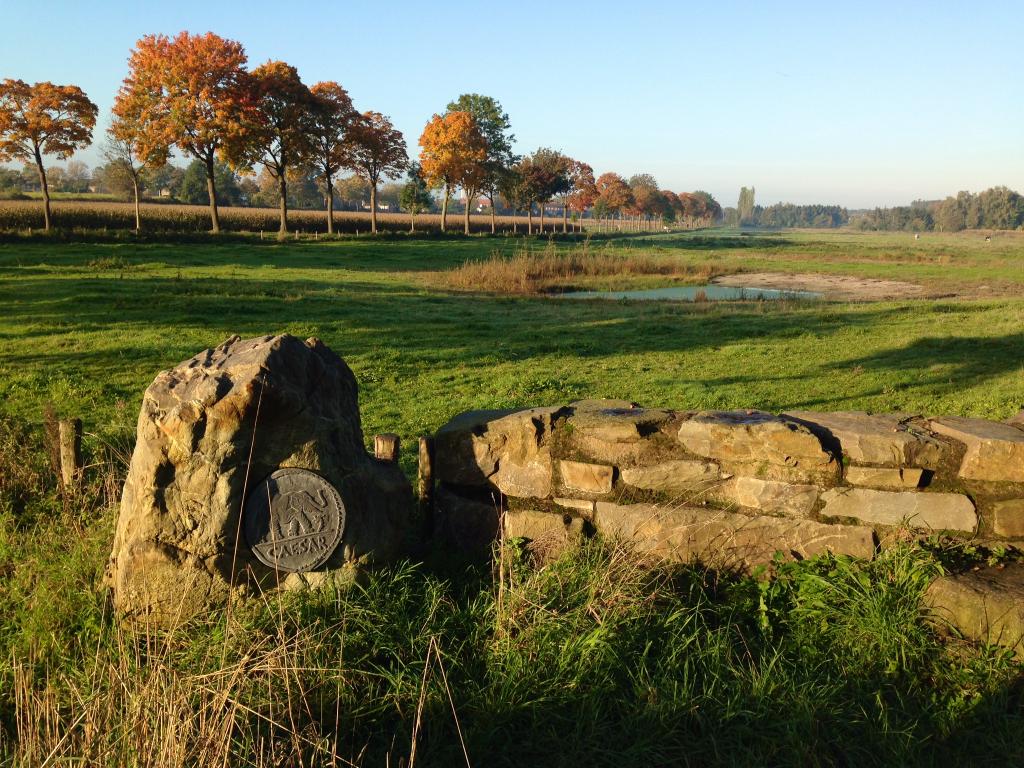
[692, 292]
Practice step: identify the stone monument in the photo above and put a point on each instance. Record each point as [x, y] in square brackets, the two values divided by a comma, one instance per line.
[250, 474]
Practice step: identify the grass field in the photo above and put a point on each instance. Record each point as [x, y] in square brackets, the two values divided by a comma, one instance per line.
[597, 660]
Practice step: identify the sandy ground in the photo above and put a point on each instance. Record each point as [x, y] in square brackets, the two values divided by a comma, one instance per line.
[838, 287]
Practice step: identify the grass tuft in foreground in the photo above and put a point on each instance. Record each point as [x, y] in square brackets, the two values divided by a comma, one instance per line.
[597, 658]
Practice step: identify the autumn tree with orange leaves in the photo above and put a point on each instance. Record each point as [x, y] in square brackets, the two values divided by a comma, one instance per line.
[278, 136]
[452, 155]
[580, 192]
[613, 194]
[43, 119]
[191, 93]
[329, 121]
[376, 149]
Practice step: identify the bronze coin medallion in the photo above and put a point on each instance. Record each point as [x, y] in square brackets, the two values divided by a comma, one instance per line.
[294, 520]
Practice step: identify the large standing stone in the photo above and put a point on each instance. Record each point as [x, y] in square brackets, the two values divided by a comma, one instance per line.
[986, 606]
[503, 450]
[231, 416]
[726, 539]
[935, 511]
[756, 438]
[995, 451]
[876, 438]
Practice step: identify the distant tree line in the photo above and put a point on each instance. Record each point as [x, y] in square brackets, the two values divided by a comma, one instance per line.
[748, 214]
[263, 137]
[790, 215]
[995, 208]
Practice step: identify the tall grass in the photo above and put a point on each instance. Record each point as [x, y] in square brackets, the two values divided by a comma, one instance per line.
[530, 270]
[597, 657]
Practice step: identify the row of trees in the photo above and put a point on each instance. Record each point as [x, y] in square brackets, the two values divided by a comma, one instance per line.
[994, 208]
[194, 95]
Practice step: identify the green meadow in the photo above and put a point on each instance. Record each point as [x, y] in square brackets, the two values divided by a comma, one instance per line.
[597, 659]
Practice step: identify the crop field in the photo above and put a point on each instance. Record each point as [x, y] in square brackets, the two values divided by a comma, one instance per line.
[596, 659]
[20, 215]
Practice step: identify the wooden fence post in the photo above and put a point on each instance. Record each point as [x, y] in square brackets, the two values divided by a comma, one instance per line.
[386, 447]
[69, 438]
[425, 482]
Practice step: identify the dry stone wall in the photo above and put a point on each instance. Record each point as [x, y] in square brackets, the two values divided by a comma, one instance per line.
[729, 489]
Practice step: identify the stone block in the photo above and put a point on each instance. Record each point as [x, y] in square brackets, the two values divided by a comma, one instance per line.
[753, 437]
[872, 438]
[727, 539]
[680, 476]
[1008, 518]
[588, 478]
[536, 524]
[580, 505]
[889, 478]
[934, 511]
[466, 524]
[986, 606]
[995, 451]
[498, 449]
[767, 496]
[614, 435]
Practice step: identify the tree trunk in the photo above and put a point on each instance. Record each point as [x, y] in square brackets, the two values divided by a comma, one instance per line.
[373, 207]
[565, 219]
[138, 217]
[282, 191]
[542, 218]
[529, 219]
[494, 222]
[330, 204]
[444, 208]
[468, 199]
[412, 221]
[211, 189]
[45, 190]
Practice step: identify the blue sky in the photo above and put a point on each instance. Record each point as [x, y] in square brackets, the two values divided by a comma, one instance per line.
[862, 104]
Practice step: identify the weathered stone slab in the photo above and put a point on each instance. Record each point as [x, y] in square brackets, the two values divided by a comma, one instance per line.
[1008, 518]
[614, 435]
[726, 539]
[876, 438]
[238, 413]
[507, 451]
[679, 476]
[986, 606]
[588, 478]
[935, 511]
[995, 451]
[769, 496]
[755, 437]
[1018, 420]
[895, 478]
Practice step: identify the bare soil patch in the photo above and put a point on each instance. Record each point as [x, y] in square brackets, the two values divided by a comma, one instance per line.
[841, 287]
